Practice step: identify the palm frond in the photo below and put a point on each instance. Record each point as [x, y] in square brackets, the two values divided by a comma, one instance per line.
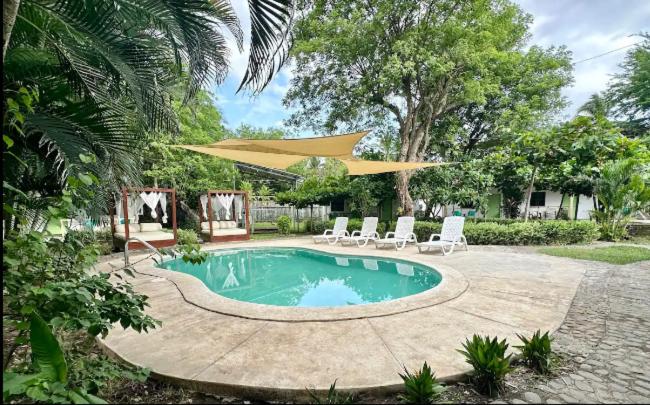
[270, 41]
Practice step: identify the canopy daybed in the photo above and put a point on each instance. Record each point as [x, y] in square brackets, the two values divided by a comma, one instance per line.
[224, 216]
[144, 213]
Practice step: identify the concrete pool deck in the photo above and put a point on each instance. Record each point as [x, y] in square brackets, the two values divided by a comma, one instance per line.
[213, 344]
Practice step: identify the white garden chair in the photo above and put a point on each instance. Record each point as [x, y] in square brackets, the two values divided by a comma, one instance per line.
[403, 234]
[332, 236]
[367, 233]
[450, 236]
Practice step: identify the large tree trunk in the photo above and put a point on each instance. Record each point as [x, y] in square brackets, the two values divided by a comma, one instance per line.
[529, 192]
[403, 194]
[9, 12]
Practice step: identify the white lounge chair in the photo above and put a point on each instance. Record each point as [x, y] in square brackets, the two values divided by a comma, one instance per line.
[332, 236]
[367, 233]
[403, 234]
[450, 236]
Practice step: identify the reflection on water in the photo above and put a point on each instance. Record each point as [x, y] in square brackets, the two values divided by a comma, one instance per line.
[305, 278]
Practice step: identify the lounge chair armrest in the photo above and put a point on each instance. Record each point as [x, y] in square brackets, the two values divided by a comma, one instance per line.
[412, 234]
[434, 235]
[344, 233]
[374, 235]
[389, 234]
[328, 231]
[355, 233]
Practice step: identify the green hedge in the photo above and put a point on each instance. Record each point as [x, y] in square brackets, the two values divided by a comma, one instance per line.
[549, 232]
[513, 232]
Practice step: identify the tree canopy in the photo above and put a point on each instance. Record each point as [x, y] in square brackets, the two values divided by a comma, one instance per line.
[418, 62]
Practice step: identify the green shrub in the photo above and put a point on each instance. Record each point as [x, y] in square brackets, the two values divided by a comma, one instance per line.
[104, 240]
[186, 237]
[421, 387]
[489, 361]
[48, 381]
[517, 232]
[536, 351]
[333, 397]
[284, 225]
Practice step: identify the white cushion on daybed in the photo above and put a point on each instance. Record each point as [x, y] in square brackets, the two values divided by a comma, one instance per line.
[225, 232]
[151, 227]
[146, 236]
[132, 228]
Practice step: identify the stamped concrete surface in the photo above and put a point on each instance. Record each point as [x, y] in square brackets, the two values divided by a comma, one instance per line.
[215, 348]
[607, 335]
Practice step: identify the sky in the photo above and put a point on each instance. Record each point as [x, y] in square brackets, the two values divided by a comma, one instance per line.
[587, 27]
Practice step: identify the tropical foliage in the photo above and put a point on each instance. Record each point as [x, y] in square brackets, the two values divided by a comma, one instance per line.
[333, 396]
[87, 87]
[421, 387]
[623, 189]
[489, 361]
[49, 381]
[536, 351]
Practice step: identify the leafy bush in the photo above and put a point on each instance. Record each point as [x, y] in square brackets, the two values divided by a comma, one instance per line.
[284, 225]
[333, 397]
[104, 240]
[517, 233]
[536, 351]
[187, 237]
[490, 364]
[421, 387]
[48, 377]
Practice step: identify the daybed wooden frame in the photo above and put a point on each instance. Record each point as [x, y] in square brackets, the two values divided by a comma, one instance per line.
[225, 238]
[124, 201]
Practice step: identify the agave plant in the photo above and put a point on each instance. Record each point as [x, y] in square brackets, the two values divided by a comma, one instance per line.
[101, 73]
[536, 351]
[333, 396]
[421, 387]
[487, 357]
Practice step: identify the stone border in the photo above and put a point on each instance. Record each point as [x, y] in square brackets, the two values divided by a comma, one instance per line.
[194, 292]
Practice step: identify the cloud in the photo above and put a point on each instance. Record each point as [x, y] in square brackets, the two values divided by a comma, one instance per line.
[586, 27]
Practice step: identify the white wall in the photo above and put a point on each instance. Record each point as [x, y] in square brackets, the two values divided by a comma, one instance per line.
[552, 204]
[553, 200]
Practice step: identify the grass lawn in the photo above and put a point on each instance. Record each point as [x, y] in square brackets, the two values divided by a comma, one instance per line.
[271, 235]
[609, 254]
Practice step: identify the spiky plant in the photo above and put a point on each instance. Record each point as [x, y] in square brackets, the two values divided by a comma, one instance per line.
[536, 351]
[487, 357]
[421, 387]
[333, 396]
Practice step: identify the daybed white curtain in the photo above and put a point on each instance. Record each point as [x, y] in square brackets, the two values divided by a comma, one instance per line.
[204, 205]
[239, 203]
[151, 200]
[226, 201]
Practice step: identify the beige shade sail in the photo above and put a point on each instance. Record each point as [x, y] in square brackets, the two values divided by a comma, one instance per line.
[272, 160]
[282, 153]
[325, 146]
[357, 166]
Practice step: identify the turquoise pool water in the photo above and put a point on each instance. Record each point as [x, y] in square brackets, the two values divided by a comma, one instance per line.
[307, 278]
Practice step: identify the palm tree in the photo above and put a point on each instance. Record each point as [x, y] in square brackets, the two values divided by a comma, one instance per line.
[598, 106]
[623, 189]
[94, 76]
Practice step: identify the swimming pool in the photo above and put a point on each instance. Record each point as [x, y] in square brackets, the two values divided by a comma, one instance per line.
[307, 278]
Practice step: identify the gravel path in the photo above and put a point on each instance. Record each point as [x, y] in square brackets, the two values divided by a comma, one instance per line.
[607, 332]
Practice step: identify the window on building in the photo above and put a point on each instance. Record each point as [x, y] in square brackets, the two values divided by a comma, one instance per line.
[538, 199]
